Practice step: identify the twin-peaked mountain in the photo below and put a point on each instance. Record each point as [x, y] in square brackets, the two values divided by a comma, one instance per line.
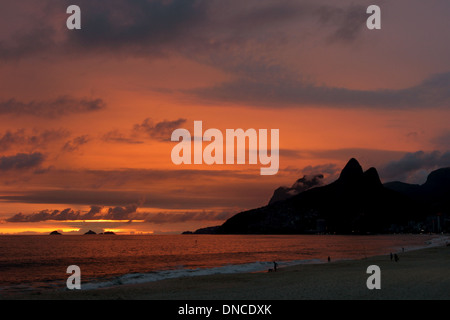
[357, 202]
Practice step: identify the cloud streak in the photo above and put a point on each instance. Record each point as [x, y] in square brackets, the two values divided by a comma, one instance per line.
[68, 214]
[166, 199]
[21, 138]
[169, 218]
[302, 184]
[119, 213]
[56, 108]
[115, 136]
[21, 161]
[161, 131]
[147, 129]
[415, 167]
[433, 92]
[74, 144]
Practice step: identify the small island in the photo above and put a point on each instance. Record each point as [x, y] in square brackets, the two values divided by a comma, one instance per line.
[100, 233]
[55, 233]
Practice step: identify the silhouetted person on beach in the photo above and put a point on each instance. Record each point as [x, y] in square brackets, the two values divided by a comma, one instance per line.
[396, 257]
[392, 256]
[275, 266]
[329, 259]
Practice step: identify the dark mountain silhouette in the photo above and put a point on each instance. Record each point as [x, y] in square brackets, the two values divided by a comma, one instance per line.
[207, 230]
[434, 194]
[357, 202]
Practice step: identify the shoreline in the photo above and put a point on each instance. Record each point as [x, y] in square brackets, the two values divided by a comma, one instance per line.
[419, 274]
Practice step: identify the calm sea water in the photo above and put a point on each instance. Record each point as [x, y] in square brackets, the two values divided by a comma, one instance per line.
[36, 263]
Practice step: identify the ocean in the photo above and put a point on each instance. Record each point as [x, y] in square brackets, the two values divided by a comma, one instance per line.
[31, 264]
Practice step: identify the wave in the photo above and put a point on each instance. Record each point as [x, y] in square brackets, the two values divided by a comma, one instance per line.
[437, 241]
[136, 278]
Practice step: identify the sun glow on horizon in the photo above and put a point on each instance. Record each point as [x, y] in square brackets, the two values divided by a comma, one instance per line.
[100, 221]
[36, 230]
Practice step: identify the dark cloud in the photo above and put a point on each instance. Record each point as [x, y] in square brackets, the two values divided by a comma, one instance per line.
[141, 26]
[183, 199]
[307, 182]
[248, 39]
[242, 39]
[242, 42]
[231, 35]
[94, 213]
[27, 43]
[115, 136]
[302, 184]
[138, 27]
[329, 171]
[45, 215]
[349, 21]
[21, 161]
[168, 218]
[37, 139]
[91, 214]
[120, 213]
[75, 197]
[344, 22]
[161, 131]
[433, 92]
[415, 167]
[131, 179]
[155, 28]
[156, 188]
[61, 106]
[75, 143]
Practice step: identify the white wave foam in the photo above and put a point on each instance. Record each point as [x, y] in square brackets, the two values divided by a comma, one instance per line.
[136, 278]
[438, 241]
[435, 241]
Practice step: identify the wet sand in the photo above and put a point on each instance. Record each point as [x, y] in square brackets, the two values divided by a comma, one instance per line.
[420, 274]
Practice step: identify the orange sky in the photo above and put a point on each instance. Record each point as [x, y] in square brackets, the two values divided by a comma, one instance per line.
[86, 115]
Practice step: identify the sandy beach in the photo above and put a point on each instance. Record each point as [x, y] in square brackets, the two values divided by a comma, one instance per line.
[420, 274]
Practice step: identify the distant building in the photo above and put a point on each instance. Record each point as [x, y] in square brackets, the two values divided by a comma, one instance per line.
[321, 225]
